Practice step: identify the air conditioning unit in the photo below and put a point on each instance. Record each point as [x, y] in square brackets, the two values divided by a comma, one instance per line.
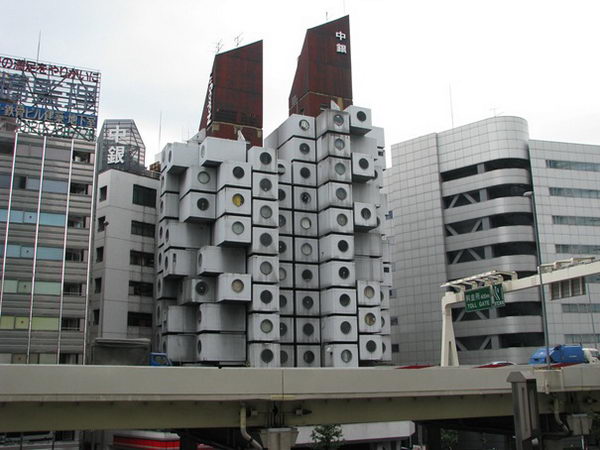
[306, 250]
[364, 144]
[265, 186]
[386, 348]
[339, 329]
[340, 355]
[265, 213]
[284, 195]
[377, 134]
[165, 288]
[214, 260]
[179, 156]
[370, 347]
[307, 303]
[336, 246]
[263, 327]
[284, 171]
[385, 298]
[286, 330]
[298, 149]
[286, 224]
[286, 358]
[264, 354]
[304, 173]
[214, 151]
[336, 220]
[232, 200]
[183, 235]
[365, 216]
[368, 244]
[232, 230]
[305, 224]
[234, 287]
[197, 290]
[221, 317]
[201, 179]
[360, 119]
[286, 248]
[262, 159]
[294, 126]
[387, 274]
[338, 301]
[308, 356]
[168, 206]
[368, 268]
[179, 347]
[335, 145]
[169, 182]
[333, 121]
[228, 348]
[179, 319]
[263, 269]
[336, 195]
[337, 274]
[265, 298]
[179, 263]
[286, 275]
[386, 328]
[198, 207]
[264, 241]
[338, 170]
[363, 167]
[306, 276]
[369, 319]
[368, 293]
[305, 198]
[235, 174]
[308, 330]
[286, 302]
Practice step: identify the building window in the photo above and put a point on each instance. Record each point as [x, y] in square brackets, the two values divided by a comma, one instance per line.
[578, 249]
[79, 222]
[567, 288]
[389, 215]
[75, 254]
[573, 165]
[69, 358]
[98, 285]
[143, 229]
[137, 319]
[70, 288]
[96, 317]
[82, 157]
[78, 188]
[100, 254]
[141, 288]
[395, 348]
[576, 220]
[581, 308]
[141, 258]
[585, 338]
[70, 324]
[144, 196]
[102, 223]
[394, 320]
[103, 192]
[573, 192]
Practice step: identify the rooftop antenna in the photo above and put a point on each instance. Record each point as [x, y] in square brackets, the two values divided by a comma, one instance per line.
[451, 106]
[37, 58]
[219, 46]
[238, 39]
[159, 129]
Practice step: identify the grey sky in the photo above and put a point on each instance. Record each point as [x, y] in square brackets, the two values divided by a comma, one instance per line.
[534, 59]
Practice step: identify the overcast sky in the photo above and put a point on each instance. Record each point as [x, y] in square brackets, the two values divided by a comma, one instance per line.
[534, 59]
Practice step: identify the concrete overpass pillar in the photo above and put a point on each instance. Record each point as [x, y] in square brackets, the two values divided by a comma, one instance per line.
[278, 438]
[528, 434]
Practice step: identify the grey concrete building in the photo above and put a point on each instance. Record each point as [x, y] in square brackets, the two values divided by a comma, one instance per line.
[121, 300]
[46, 191]
[456, 208]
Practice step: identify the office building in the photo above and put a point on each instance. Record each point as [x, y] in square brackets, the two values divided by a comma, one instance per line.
[457, 208]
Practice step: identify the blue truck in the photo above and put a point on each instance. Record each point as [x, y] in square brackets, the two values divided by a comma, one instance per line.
[566, 354]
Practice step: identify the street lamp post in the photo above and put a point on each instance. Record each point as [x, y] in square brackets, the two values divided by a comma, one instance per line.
[542, 291]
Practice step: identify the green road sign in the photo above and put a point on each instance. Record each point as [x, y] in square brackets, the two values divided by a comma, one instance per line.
[484, 298]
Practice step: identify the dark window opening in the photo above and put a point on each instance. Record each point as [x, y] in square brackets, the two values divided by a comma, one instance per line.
[521, 340]
[141, 258]
[507, 163]
[143, 229]
[141, 288]
[144, 196]
[507, 190]
[79, 188]
[70, 324]
[459, 173]
[137, 319]
[103, 193]
[100, 254]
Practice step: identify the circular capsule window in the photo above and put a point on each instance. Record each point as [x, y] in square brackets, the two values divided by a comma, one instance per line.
[265, 185]
[281, 195]
[344, 273]
[202, 204]
[237, 285]
[343, 245]
[339, 143]
[266, 297]
[266, 268]
[338, 119]
[345, 327]
[266, 326]
[346, 356]
[370, 319]
[282, 247]
[280, 169]
[304, 148]
[361, 116]
[340, 168]
[306, 249]
[238, 172]
[305, 223]
[282, 329]
[198, 345]
[363, 163]
[283, 356]
[282, 275]
[170, 155]
[167, 235]
[304, 124]
[201, 288]
[238, 228]
[365, 213]
[282, 303]
[342, 220]
[282, 220]
[266, 355]
[265, 158]
[344, 299]
[308, 302]
[266, 212]
[203, 177]
[237, 200]
[307, 275]
[266, 239]
[341, 193]
[305, 197]
[369, 292]
[309, 357]
[371, 346]
[308, 329]
[305, 172]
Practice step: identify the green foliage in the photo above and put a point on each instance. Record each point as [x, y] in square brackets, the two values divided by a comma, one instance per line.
[327, 437]
[449, 439]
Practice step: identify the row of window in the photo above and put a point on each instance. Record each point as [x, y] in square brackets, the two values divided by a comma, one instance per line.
[39, 323]
[49, 219]
[574, 192]
[567, 288]
[582, 338]
[581, 308]
[52, 186]
[52, 153]
[42, 358]
[139, 288]
[44, 253]
[141, 195]
[578, 249]
[573, 165]
[43, 287]
[576, 220]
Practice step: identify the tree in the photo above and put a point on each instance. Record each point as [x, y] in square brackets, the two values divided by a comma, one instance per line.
[449, 439]
[327, 437]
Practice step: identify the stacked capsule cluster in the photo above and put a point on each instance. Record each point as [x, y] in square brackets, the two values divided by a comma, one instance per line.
[273, 256]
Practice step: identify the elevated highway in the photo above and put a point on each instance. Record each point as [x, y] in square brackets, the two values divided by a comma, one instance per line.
[110, 397]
